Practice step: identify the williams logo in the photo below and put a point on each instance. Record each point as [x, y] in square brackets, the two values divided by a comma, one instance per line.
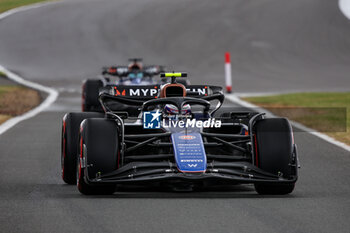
[151, 120]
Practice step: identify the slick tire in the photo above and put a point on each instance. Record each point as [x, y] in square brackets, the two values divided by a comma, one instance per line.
[99, 150]
[274, 153]
[69, 143]
[90, 93]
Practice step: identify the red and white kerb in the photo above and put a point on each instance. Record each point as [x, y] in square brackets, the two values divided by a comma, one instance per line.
[228, 75]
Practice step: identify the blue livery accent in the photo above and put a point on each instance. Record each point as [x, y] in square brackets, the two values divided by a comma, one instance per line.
[189, 152]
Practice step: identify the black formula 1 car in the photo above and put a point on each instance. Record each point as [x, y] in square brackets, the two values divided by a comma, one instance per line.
[177, 141]
[135, 74]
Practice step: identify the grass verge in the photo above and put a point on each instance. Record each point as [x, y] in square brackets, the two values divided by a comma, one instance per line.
[9, 4]
[328, 113]
[16, 100]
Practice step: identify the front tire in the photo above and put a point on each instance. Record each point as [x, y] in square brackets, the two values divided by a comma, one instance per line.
[99, 150]
[274, 150]
[69, 143]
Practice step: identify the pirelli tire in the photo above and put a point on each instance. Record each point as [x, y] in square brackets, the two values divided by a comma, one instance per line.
[99, 154]
[69, 143]
[274, 148]
[90, 93]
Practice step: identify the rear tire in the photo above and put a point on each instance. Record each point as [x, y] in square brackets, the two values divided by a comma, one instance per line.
[274, 153]
[69, 143]
[99, 147]
[90, 93]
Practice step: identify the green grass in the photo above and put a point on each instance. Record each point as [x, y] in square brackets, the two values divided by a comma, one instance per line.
[324, 112]
[9, 4]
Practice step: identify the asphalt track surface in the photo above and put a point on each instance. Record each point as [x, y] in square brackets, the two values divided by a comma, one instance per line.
[276, 46]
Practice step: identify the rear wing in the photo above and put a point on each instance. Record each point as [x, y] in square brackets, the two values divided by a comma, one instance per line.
[131, 98]
[151, 91]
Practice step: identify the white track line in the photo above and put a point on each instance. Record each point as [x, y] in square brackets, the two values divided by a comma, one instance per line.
[344, 6]
[52, 94]
[237, 100]
[24, 8]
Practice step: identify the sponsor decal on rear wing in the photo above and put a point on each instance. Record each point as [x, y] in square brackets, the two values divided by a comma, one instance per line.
[152, 91]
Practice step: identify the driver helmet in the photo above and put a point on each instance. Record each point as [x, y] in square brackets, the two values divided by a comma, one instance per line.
[171, 109]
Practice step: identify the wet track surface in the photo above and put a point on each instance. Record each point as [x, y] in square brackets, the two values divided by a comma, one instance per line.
[276, 46]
